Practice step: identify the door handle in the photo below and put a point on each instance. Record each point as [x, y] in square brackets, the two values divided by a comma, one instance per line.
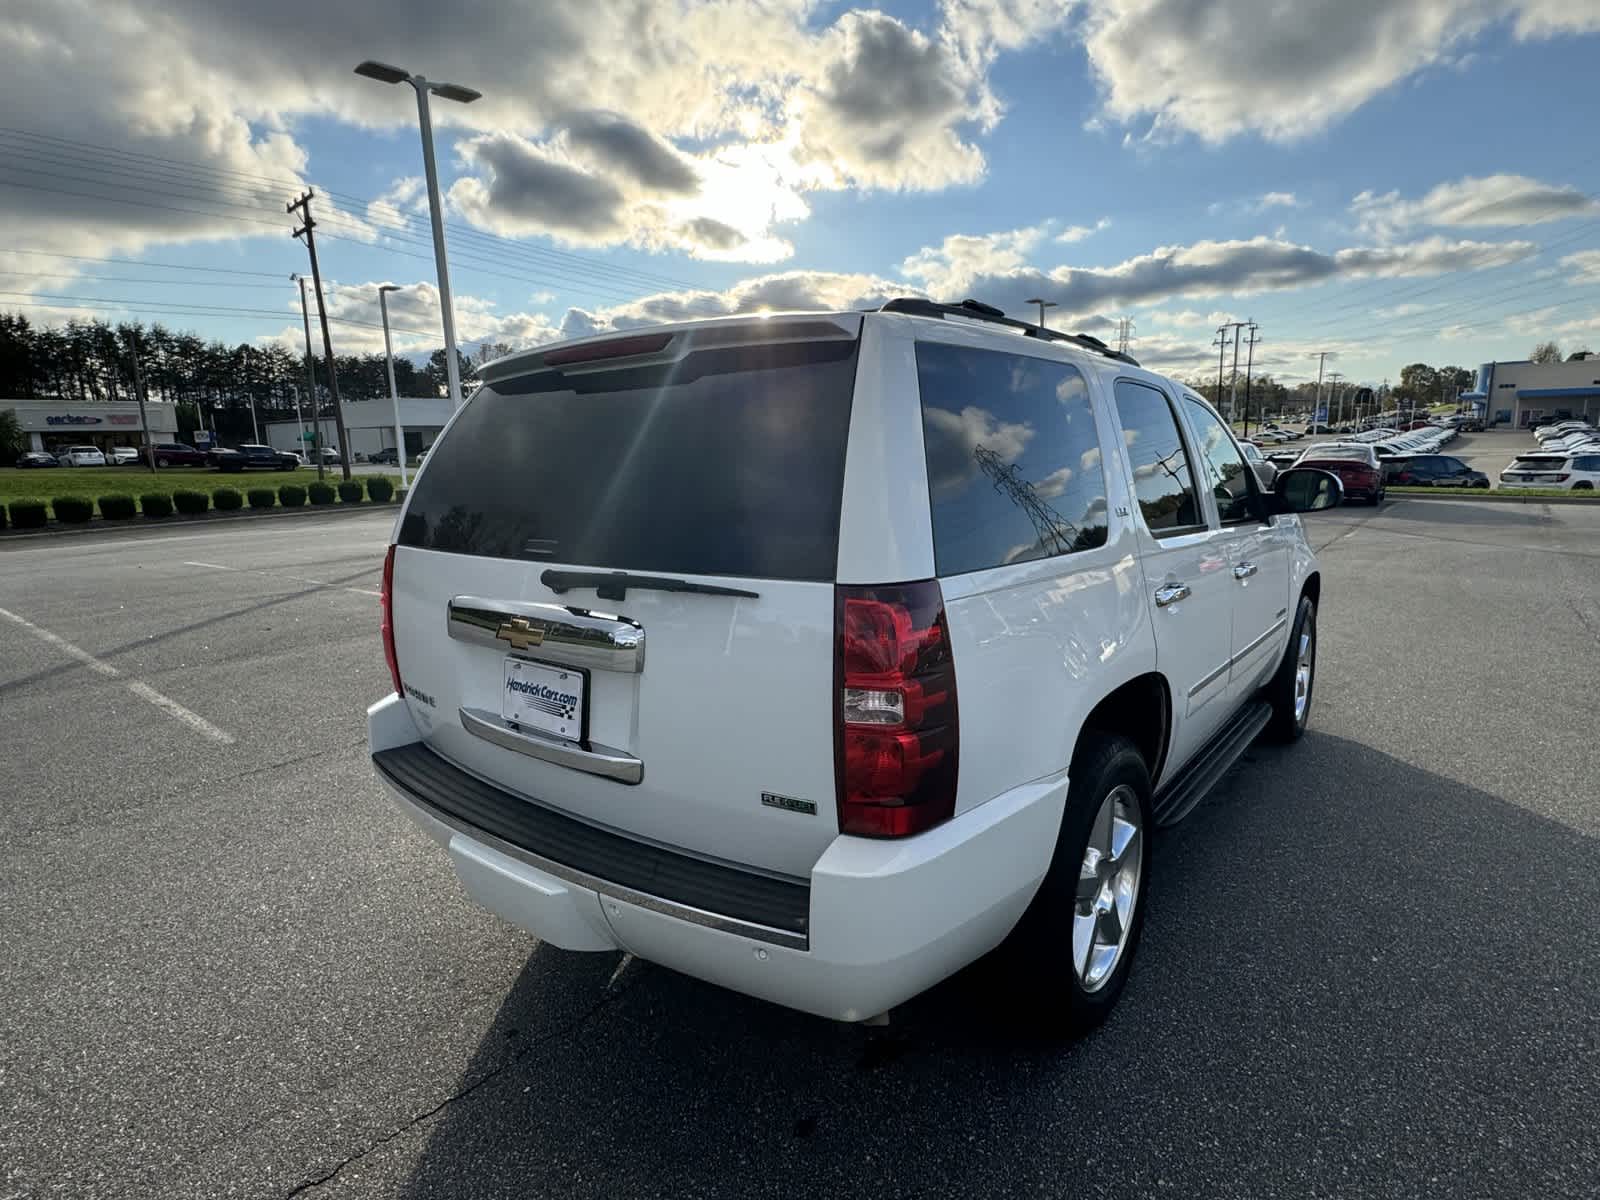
[1171, 593]
[1244, 570]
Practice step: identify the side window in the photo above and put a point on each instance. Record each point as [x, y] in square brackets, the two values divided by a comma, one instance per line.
[1161, 476]
[1589, 462]
[1014, 469]
[1226, 472]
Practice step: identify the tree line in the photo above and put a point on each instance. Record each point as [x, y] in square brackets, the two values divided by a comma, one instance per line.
[207, 380]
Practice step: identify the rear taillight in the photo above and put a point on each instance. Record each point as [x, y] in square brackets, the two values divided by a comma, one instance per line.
[897, 733]
[386, 602]
[1562, 478]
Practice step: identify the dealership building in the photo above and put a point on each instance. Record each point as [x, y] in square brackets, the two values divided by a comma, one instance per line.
[1524, 394]
[55, 424]
[369, 426]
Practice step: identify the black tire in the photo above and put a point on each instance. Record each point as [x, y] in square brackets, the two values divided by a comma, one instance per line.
[161, 462]
[1039, 955]
[1583, 486]
[1285, 726]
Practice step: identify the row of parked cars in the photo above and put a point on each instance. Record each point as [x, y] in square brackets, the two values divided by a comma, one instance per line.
[177, 454]
[1568, 458]
[1368, 461]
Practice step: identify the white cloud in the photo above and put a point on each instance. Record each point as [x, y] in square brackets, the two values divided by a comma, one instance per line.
[1486, 201]
[1053, 484]
[1279, 200]
[1076, 233]
[414, 320]
[1289, 71]
[1584, 266]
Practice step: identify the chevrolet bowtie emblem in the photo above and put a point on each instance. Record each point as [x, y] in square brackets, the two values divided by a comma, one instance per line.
[520, 633]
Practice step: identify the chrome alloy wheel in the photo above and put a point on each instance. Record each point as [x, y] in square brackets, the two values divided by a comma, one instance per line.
[1304, 662]
[1108, 888]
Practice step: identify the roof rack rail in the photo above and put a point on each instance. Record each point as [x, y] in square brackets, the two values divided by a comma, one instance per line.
[977, 310]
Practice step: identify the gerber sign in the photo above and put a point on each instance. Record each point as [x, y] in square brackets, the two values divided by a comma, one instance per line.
[71, 419]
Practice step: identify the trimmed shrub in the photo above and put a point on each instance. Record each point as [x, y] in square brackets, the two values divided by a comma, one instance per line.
[227, 499]
[28, 514]
[379, 489]
[292, 495]
[156, 504]
[75, 510]
[262, 497]
[320, 493]
[117, 508]
[191, 503]
[350, 491]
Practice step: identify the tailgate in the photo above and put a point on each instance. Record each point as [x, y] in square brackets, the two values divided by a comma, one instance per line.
[688, 701]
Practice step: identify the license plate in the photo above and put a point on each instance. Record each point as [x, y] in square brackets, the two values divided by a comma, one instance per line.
[543, 698]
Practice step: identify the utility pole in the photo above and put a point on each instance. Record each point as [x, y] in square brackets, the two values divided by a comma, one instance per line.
[1335, 394]
[311, 381]
[1222, 346]
[1322, 357]
[1233, 394]
[307, 228]
[144, 423]
[1249, 364]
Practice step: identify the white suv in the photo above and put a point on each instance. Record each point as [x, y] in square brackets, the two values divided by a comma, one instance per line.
[818, 655]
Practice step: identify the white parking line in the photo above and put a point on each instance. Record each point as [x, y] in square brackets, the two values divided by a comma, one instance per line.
[139, 688]
[281, 575]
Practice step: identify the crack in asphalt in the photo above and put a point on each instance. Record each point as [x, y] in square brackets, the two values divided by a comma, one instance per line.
[611, 993]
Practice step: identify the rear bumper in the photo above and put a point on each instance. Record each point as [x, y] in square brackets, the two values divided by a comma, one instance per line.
[884, 920]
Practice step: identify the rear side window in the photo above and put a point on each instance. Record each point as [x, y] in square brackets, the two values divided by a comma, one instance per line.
[1014, 470]
[728, 461]
[1161, 476]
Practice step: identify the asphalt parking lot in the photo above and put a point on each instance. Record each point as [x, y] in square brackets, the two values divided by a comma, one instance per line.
[1371, 965]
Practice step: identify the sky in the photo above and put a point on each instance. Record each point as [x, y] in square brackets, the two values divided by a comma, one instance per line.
[1387, 181]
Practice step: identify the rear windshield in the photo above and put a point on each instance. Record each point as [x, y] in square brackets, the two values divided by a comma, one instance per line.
[1547, 463]
[729, 461]
[1339, 454]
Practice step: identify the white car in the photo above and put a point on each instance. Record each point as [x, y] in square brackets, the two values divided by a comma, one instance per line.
[123, 455]
[1571, 472]
[81, 456]
[868, 643]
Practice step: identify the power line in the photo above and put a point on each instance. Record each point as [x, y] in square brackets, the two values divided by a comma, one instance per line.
[139, 262]
[227, 283]
[69, 152]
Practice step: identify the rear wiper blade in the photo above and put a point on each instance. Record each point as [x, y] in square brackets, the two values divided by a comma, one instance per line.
[614, 585]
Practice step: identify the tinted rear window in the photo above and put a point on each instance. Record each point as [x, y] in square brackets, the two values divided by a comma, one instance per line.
[1338, 455]
[729, 461]
[1014, 470]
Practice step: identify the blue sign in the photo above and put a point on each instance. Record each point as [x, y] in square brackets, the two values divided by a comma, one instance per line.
[1322, 415]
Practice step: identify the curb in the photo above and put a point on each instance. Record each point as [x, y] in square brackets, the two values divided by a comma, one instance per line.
[1482, 497]
[147, 524]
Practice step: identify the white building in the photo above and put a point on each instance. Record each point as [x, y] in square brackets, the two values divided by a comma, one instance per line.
[51, 424]
[370, 425]
[1523, 394]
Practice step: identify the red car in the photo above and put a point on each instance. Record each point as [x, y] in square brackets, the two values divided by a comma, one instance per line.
[1355, 465]
[176, 454]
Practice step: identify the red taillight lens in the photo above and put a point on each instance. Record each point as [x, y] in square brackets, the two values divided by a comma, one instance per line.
[896, 696]
[386, 601]
[1562, 478]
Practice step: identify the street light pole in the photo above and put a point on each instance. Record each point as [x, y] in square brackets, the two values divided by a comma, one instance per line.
[394, 395]
[385, 73]
[1043, 304]
[299, 420]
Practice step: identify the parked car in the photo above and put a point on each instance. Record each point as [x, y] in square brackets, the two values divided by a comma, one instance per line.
[1436, 470]
[388, 455]
[1266, 472]
[979, 731]
[1355, 465]
[176, 454]
[34, 458]
[119, 456]
[251, 455]
[329, 455]
[1572, 472]
[81, 456]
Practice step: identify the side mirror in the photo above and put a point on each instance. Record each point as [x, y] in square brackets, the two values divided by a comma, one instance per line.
[1307, 489]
